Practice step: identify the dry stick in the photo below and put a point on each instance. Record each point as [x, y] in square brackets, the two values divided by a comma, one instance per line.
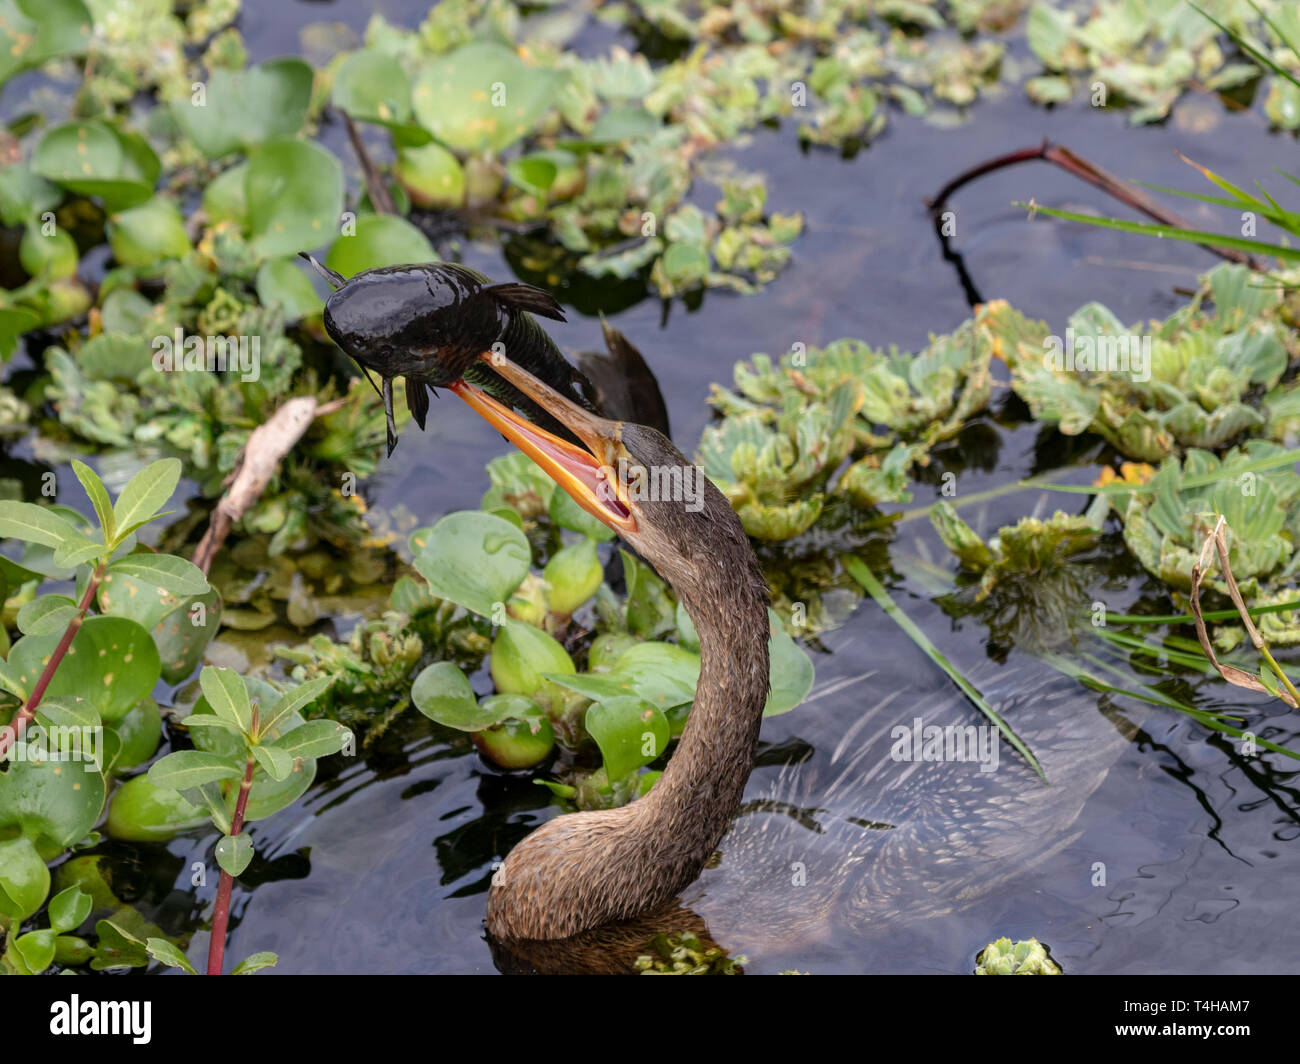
[14, 729]
[1218, 539]
[380, 198]
[1073, 163]
[267, 445]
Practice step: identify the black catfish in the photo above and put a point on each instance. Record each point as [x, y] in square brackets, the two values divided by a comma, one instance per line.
[430, 322]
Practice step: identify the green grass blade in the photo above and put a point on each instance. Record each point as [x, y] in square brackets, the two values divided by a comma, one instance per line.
[1251, 50]
[861, 572]
[1168, 232]
[1209, 615]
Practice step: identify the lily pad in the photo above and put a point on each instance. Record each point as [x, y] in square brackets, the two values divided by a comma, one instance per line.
[248, 107]
[33, 32]
[294, 191]
[379, 240]
[96, 159]
[630, 733]
[482, 97]
[52, 803]
[112, 663]
[473, 559]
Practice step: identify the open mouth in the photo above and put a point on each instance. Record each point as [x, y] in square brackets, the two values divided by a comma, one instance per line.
[586, 475]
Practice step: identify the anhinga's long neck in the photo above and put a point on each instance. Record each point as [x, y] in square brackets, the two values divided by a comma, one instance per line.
[589, 869]
[700, 790]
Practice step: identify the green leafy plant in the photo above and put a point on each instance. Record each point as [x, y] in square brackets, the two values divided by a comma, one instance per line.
[78, 683]
[636, 693]
[255, 755]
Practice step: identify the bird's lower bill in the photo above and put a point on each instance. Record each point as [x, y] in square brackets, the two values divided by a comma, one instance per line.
[584, 474]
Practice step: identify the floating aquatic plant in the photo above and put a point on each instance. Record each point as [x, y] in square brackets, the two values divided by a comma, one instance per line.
[1003, 957]
[788, 427]
[1194, 380]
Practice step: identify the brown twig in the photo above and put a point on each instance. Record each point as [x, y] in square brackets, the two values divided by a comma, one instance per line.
[380, 198]
[266, 447]
[1073, 163]
[1218, 540]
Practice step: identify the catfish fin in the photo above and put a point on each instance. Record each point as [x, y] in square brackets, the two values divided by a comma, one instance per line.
[515, 295]
[388, 414]
[417, 398]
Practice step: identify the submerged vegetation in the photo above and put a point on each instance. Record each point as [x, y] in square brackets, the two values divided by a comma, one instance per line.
[155, 194]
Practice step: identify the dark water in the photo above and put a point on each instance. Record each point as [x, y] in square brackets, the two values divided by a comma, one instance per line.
[385, 868]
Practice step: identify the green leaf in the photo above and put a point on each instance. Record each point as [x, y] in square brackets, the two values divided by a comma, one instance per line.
[166, 953]
[482, 97]
[248, 107]
[163, 570]
[68, 909]
[294, 700]
[255, 962]
[36, 524]
[36, 948]
[74, 552]
[371, 87]
[280, 283]
[192, 768]
[226, 694]
[1168, 232]
[98, 498]
[234, 852]
[52, 803]
[14, 322]
[629, 732]
[118, 946]
[96, 159]
[34, 31]
[475, 560]
[294, 191]
[137, 734]
[443, 694]
[66, 711]
[46, 615]
[24, 879]
[650, 608]
[146, 493]
[315, 738]
[112, 663]
[790, 668]
[379, 240]
[275, 762]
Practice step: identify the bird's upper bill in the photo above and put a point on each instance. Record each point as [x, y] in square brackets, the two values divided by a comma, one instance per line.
[586, 475]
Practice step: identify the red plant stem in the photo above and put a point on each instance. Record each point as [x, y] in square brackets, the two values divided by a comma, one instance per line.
[221, 914]
[11, 732]
[1074, 163]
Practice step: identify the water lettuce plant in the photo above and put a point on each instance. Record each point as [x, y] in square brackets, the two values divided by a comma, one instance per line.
[787, 428]
[1199, 379]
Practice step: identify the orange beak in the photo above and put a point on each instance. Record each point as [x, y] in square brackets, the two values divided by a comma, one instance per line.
[586, 475]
